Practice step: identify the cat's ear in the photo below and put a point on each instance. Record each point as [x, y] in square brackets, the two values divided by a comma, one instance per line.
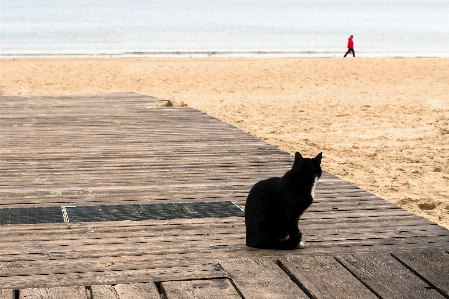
[318, 158]
[299, 160]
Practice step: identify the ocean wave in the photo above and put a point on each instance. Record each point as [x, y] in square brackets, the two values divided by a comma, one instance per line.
[232, 54]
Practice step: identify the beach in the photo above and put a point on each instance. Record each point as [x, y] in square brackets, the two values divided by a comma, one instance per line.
[381, 123]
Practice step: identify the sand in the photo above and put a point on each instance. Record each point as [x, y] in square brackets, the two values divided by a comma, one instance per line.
[381, 123]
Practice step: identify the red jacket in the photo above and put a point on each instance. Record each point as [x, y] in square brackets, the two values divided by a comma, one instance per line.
[350, 43]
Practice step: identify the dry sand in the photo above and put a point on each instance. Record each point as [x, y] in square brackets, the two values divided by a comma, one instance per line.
[382, 123]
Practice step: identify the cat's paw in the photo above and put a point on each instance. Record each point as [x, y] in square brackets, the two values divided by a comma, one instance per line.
[301, 245]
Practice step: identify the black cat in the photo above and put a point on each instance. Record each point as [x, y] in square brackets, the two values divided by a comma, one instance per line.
[274, 205]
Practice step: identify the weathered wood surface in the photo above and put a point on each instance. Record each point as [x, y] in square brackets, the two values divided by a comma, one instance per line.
[212, 288]
[387, 277]
[431, 266]
[324, 277]
[124, 149]
[137, 291]
[7, 294]
[119, 291]
[103, 291]
[53, 293]
[261, 278]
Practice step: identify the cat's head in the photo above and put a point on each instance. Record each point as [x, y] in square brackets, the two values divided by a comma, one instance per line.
[312, 165]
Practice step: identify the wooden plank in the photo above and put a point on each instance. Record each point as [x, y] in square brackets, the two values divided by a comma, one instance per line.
[141, 267]
[351, 234]
[196, 289]
[6, 294]
[158, 234]
[143, 232]
[223, 244]
[261, 278]
[137, 291]
[103, 292]
[431, 266]
[18, 234]
[79, 276]
[228, 190]
[54, 293]
[323, 277]
[386, 277]
[409, 222]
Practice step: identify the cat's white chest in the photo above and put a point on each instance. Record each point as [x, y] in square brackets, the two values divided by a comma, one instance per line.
[312, 193]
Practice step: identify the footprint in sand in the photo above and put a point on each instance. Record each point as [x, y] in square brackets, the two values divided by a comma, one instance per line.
[426, 206]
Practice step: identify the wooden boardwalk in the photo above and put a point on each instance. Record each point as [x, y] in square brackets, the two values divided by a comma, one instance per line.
[123, 149]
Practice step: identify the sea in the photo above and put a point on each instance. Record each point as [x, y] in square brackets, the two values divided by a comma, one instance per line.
[224, 28]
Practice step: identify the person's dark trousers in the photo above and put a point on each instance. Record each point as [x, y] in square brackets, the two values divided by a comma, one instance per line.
[349, 51]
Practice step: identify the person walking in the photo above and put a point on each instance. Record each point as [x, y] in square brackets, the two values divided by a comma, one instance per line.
[350, 46]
